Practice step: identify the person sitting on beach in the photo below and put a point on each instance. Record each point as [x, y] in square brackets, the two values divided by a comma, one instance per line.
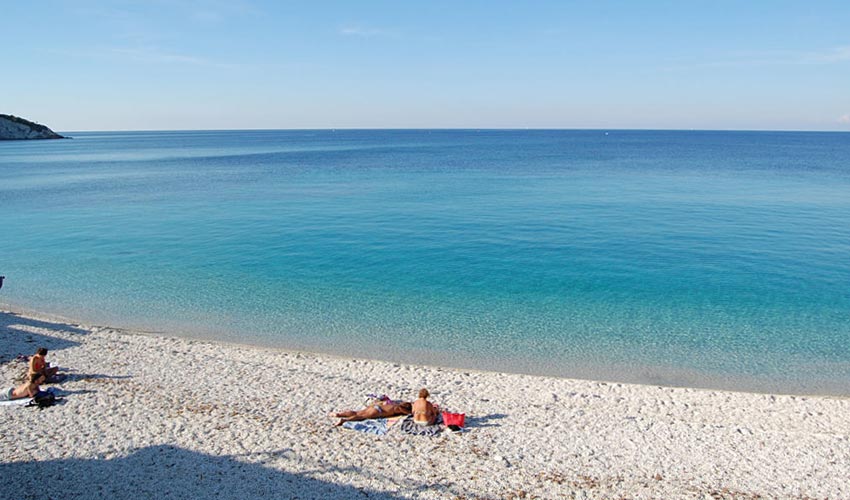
[383, 409]
[38, 364]
[25, 390]
[424, 413]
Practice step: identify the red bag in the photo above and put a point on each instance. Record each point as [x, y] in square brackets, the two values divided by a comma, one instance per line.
[454, 418]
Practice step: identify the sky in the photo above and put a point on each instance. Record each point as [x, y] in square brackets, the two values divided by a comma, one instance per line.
[252, 64]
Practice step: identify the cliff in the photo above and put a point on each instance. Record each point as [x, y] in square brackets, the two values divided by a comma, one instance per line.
[12, 128]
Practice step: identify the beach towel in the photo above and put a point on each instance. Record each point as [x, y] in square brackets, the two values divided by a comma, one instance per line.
[408, 426]
[376, 426]
[16, 402]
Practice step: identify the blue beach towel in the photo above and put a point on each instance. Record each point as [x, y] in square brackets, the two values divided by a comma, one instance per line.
[377, 426]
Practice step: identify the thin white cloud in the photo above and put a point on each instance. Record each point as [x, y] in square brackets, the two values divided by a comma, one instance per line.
[837, 54]
[154, 55]
[203, 11]
[214, 12]
[142, 55]
[207, 16]
[833, 55]
[826, 56]
[845, 118]
[362, 32]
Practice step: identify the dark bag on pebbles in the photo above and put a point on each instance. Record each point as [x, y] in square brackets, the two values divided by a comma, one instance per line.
[43, 399]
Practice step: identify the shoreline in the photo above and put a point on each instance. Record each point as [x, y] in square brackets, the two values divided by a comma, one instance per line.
[145, 413]
[652, 376]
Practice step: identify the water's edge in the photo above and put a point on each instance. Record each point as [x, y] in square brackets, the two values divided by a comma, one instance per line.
[652, 376]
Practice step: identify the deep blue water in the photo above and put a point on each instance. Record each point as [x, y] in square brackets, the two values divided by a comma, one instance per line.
[714, 259]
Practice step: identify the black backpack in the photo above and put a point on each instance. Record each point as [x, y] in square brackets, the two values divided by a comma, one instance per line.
[43, 399]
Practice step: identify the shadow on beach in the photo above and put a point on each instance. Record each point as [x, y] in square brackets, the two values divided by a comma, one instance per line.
[71, 376]
[15, 340]
[166, 472]
[483, 420]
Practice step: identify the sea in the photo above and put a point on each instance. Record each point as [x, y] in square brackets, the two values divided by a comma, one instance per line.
[709, 259]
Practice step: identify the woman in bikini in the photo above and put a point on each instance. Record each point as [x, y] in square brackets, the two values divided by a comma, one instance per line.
[38, 364]
[424, 413]
[383, 409]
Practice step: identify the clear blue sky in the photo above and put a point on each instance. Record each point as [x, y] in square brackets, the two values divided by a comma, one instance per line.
[125, 65]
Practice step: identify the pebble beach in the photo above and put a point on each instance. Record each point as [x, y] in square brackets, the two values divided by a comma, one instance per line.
[145, 415]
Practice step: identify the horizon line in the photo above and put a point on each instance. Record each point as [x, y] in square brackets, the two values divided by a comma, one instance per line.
[479, 129]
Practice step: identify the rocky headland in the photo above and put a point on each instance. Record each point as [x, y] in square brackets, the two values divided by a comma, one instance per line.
[14, 128]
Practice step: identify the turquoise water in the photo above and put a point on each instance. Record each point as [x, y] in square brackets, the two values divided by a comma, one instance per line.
[711, 259]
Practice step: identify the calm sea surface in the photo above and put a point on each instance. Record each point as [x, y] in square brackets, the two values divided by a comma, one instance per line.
[712, 259]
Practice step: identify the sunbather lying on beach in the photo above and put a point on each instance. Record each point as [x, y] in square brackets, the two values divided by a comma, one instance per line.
[25, 390]
[376, 410]
[424, 413]
[38, 364]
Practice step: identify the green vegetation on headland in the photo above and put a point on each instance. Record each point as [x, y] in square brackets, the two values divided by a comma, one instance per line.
[14, 128]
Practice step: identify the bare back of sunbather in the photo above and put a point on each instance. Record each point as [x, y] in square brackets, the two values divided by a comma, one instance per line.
[424, 413]
[377, 410]
[27, 389]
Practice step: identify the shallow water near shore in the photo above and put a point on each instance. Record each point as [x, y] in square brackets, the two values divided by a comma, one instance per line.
[709, 259]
